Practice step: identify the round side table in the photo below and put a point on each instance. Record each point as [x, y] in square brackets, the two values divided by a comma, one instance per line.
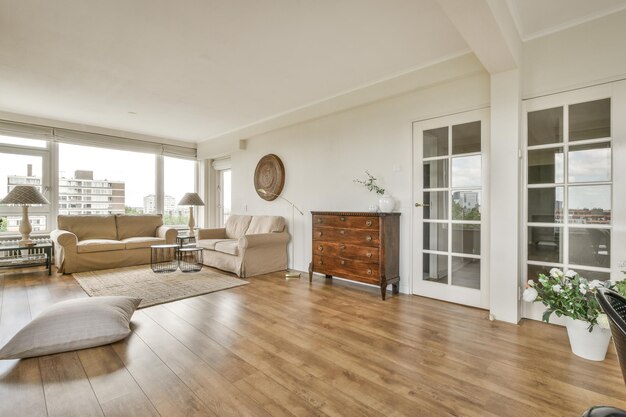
[190, 259]
[163, 258]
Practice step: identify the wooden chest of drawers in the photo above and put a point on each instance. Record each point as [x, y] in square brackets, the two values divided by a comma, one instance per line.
[357, 246]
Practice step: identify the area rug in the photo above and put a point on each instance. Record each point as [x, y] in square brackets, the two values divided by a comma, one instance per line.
[152, 288]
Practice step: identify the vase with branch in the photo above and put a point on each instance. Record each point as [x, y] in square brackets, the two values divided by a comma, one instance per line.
[386, 203]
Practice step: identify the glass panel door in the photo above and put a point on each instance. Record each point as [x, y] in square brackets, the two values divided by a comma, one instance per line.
[569, 189]
[449, 177]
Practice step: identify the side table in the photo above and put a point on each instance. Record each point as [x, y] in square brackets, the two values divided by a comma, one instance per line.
[15, 256]
[183, 241]
[163, 258]
[190, 259]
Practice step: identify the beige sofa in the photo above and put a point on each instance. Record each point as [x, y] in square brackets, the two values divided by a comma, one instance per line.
[87, 243]
[247, 245]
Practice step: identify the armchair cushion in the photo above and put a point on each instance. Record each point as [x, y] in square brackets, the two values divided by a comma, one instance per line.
[89, 227]
[99, 245]
[266, 224]
[236, 225]
[228, 246]
[211, 243]
[264, 239]
[144, 225]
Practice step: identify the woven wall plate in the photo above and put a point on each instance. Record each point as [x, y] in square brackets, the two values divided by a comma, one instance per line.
[269, 175]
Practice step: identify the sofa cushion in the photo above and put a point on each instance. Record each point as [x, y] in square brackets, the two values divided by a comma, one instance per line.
[142, 225]
[99, 245]
[266, 224]
[142, 242]
[210, 243]
[236, 225]
[228, 246]
[89, 227]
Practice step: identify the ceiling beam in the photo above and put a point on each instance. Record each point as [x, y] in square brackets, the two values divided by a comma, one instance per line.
[489, 29]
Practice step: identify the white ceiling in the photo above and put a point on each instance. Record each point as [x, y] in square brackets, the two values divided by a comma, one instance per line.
[535, 18]
[198, 69]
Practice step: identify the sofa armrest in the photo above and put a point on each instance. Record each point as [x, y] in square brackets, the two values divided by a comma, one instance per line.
[63, 238]
[211, 233]
[167, 233]
[263, 239]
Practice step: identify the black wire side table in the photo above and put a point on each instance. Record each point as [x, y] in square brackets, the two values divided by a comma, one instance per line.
[190, 259]
[163, 258]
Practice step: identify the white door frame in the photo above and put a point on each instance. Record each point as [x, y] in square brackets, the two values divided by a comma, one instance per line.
[472, 297]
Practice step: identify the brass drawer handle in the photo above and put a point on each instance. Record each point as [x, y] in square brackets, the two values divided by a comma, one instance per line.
[343, 219]
[321, 262]
[369, 238]
[369, 255]
[342, 247]
[319, 220]
[343, 262]
[369, 272]
[319, 233]
[343, 232]
[368, 223]
[320, 248]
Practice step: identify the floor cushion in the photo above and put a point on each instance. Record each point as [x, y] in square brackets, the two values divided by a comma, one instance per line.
[73, 324]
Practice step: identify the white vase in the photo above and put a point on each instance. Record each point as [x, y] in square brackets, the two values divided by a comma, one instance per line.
[588, 345]
[386, 203]
[373, 208]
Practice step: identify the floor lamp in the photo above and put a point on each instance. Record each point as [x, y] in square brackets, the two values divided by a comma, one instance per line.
[290, 273]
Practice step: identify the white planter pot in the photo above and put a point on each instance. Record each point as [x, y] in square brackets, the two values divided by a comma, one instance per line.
[386, 203]
[588, 345]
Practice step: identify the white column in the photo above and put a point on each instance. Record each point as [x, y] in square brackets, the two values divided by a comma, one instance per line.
[504, 180]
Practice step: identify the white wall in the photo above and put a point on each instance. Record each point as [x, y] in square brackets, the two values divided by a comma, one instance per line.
[587, 54]
[323, 156]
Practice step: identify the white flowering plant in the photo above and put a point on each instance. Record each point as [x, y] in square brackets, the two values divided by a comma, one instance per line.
[570, 295]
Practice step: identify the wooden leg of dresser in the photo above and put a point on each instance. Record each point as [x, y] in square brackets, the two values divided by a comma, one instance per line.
[310, 272]
[383, 289]
[396, 288]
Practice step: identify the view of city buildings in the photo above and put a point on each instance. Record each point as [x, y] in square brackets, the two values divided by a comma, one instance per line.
[84, 195]
[169, 205]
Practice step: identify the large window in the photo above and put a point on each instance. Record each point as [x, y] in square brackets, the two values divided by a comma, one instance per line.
[569, 189]
[23, 162]
[179, 178]
[104, 181]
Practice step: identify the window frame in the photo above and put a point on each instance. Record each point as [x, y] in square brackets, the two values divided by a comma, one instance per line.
[48, 191]
[565, 226]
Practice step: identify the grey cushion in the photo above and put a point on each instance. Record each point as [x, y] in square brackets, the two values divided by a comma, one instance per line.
[71, 325]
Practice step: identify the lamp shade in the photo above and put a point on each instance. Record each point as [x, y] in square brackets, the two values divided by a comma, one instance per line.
[24, 195]
[191, 199]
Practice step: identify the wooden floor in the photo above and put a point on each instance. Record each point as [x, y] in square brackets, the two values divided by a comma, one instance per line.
[284, 348]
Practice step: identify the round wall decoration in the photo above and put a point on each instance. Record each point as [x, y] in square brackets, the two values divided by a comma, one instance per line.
[269, 176]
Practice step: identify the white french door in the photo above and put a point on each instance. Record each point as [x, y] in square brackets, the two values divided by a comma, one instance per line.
[450, 210]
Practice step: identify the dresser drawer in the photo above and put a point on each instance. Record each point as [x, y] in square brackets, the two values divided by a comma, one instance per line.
[347, 268]
[349, 222]
[358, 253]
[347, 236]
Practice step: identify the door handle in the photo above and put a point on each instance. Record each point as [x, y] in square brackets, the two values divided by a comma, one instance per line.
[421, 205]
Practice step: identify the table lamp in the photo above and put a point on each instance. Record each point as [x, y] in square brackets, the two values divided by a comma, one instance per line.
[191, 200]
[290, 273]
[25, 195]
